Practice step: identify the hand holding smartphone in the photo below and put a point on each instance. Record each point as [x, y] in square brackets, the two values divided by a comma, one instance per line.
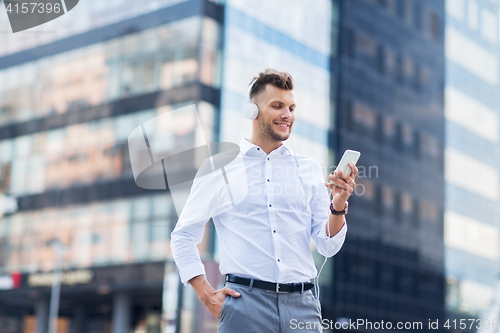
[350, 156]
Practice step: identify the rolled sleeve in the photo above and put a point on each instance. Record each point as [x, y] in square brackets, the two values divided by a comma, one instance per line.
[329, 246]
[184, 250]
[320, 215]
[190, 228]
[192, 270]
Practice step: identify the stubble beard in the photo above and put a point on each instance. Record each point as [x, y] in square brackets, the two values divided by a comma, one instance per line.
[269, 132]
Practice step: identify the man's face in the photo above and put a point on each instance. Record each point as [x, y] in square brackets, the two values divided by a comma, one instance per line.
[276, 113]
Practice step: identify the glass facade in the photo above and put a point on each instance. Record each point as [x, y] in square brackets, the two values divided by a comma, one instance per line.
[160, 58]
[391, 109]
[119, 231]
[87, 15]
[71, 92]
[80, 154]
[472, 143]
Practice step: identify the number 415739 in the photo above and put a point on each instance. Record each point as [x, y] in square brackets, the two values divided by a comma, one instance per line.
[35, 7]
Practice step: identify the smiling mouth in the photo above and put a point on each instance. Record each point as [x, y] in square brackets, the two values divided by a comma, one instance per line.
[282, 125]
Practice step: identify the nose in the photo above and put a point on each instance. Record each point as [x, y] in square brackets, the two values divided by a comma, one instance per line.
[287, 114]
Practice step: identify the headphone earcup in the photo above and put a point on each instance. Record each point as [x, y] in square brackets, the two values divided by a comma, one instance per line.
[250, 111]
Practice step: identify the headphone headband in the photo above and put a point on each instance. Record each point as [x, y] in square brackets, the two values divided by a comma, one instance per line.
[250, 89]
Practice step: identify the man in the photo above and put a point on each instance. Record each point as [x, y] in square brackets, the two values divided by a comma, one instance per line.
[265, 239]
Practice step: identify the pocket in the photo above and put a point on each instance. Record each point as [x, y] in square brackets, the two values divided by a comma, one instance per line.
[316, 302]
[223, 307]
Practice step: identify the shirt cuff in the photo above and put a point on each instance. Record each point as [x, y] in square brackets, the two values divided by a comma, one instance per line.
[341, 234]
[329, 246]
[190, 271]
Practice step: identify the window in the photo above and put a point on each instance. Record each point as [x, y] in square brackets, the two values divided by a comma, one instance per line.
[471, 56]
[471, 114]
[489, 26]
[473, 15]
[391, 6]
[141, 208]
[484, 181]
[417, 14]
[409, 12]
[399, 68]
[407, 135]
[423, 77]
[140, 240]
[389, 127]
[434, 26]
[429, 211]
[400, 8]
[365, 44]
[406, 203]
[149, 74]
[475, 297]
[470, 235]
[388, 200]
[418, 77]
[365, 189]
[5, 175]
[364, 116]
[408, 68]
[429, 145]
[380, 63]
[390, 61]
[162, 206]
[456, 9]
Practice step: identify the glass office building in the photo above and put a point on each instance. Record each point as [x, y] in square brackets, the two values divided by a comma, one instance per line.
[472, 158]
[71, 91]
[390, 102]
[368, 76]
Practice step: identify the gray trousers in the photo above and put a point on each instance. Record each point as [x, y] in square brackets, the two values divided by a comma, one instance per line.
[262, 311]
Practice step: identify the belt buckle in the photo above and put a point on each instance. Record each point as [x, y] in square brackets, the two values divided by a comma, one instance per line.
[278, 289]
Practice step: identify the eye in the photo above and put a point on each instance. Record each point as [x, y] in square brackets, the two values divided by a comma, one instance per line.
[277, 107]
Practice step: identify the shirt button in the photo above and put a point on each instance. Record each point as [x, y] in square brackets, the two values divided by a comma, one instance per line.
[278, 260]
[268, 158]
[274, 231]
[268, 180]
[258, 148]
[270, 205]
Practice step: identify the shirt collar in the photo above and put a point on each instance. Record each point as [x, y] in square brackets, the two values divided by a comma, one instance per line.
[248, 148]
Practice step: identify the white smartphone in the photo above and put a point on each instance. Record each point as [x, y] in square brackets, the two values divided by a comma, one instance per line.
[350, 156]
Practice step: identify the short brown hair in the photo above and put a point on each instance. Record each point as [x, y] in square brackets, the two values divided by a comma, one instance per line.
[278, 79]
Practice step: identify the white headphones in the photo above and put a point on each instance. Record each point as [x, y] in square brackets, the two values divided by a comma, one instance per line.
[250, 110]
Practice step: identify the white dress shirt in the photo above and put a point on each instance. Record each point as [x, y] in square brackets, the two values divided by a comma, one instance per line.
[265, 214]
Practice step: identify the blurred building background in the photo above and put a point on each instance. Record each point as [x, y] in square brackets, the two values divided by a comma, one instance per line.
[71, 92]
[390, 96]
[369, 74]
[472, 158]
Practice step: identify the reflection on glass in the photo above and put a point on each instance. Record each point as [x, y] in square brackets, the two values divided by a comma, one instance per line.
[118, 231]
[82, 154]
[91, 14]
[163, 57]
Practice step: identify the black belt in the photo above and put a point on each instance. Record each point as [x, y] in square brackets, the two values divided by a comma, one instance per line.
[277, 287]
